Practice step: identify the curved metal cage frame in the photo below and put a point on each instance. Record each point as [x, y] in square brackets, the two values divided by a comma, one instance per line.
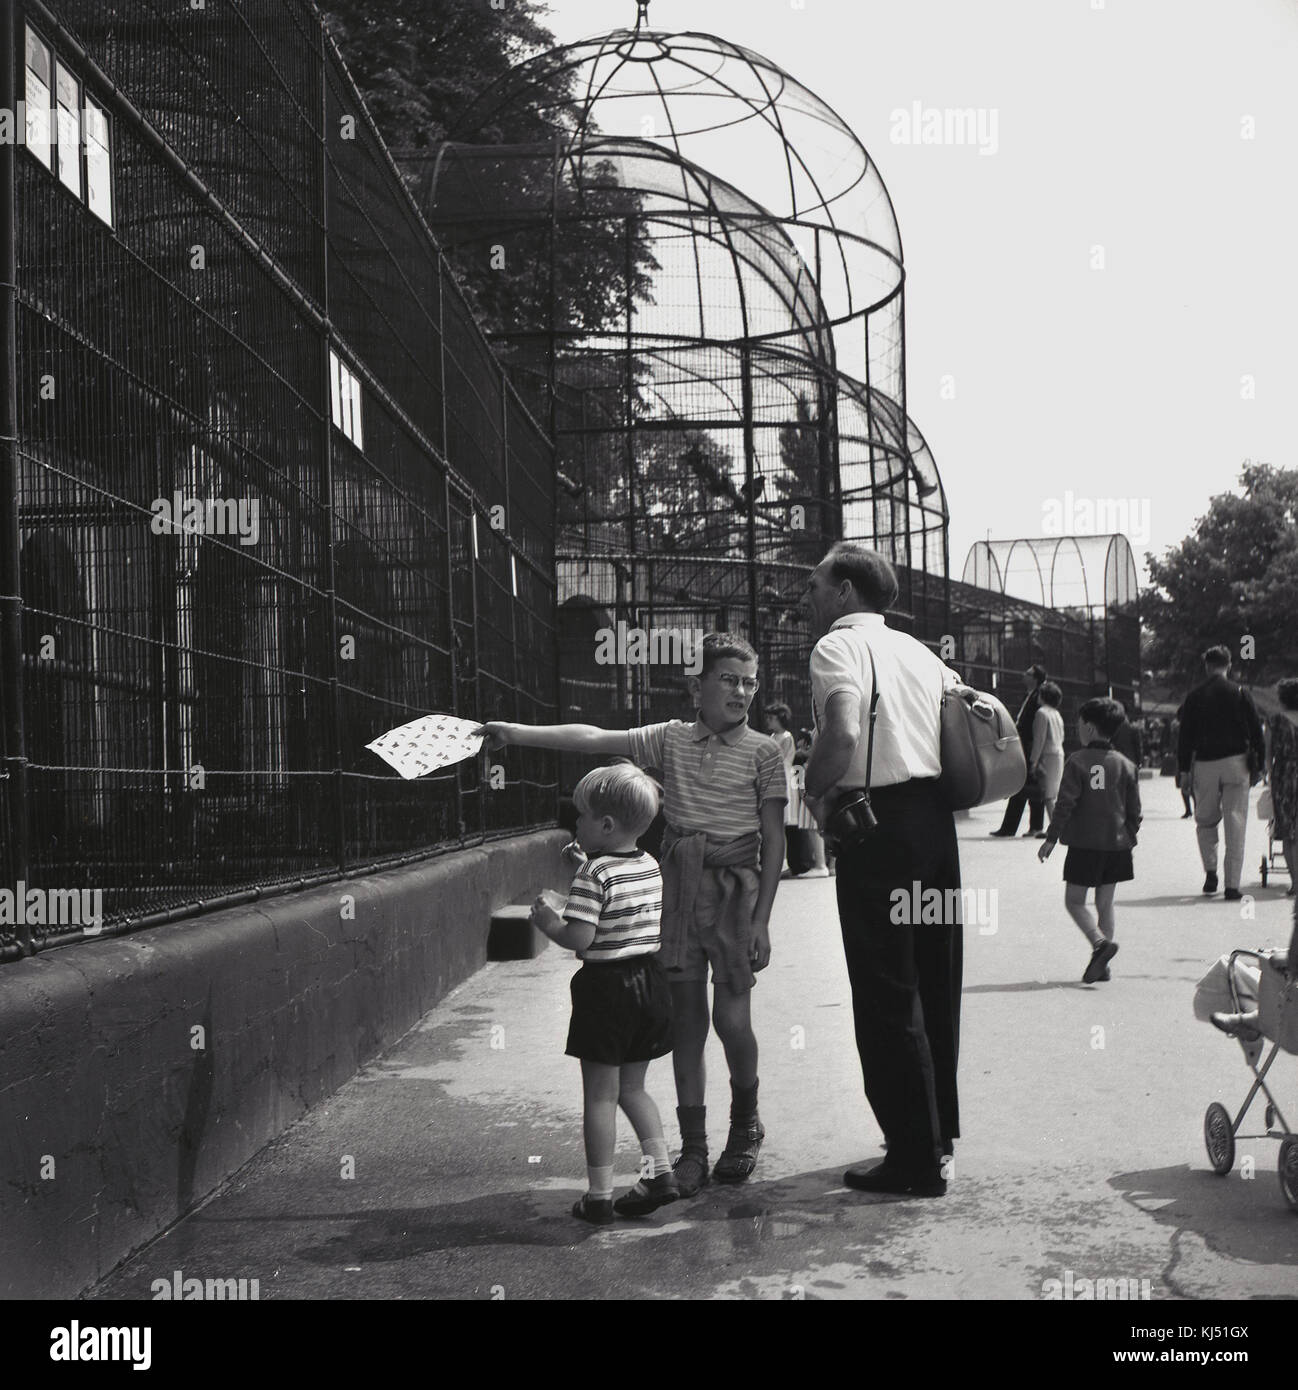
[1058, 571]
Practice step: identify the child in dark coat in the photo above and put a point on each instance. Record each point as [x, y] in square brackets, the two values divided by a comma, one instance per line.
[1097, 815]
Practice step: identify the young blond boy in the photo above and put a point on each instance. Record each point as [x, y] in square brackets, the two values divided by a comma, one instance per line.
[621, 1004]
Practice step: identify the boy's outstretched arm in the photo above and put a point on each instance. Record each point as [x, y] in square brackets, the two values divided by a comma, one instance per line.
[772, 814]
[563, 738]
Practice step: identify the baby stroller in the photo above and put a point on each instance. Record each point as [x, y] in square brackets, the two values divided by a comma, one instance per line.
[1276, 1002]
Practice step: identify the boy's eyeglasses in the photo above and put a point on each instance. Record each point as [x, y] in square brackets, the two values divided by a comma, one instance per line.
[733, 682]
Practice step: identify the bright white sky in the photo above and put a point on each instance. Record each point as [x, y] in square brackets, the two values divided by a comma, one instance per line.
[1119, 126]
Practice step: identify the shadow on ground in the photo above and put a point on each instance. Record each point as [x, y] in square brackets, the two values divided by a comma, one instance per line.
[742, 1218]
[1242, 1219]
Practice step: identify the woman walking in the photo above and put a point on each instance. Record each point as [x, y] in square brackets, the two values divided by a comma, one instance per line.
[1046, 760]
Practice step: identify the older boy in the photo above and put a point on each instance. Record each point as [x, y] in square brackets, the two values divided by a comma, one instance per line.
[724, 795]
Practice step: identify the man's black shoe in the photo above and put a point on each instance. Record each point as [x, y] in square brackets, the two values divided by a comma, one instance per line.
[1003, 834]
[1232, 895]
[1210, 883]
[883, 1178]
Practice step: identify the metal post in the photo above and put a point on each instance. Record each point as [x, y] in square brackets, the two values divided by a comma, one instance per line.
[11, 631]
[629, 388]
[750, 484]
[507, 537]
[449, 542]
[331, 583]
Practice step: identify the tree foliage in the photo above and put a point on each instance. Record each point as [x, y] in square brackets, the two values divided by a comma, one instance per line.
[1234, 577]
[420, 66]
[420, 63]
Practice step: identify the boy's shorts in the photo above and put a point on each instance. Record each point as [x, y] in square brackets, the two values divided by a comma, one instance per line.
[621, 1012]
[714, 941]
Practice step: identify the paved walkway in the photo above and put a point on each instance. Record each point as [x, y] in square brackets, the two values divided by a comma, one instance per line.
[1082, 1111]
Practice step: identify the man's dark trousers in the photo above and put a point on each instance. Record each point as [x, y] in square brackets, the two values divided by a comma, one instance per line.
[1014, 810]
[906, 975]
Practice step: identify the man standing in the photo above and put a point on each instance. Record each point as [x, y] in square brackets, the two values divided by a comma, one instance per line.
[905, 974]
[1221, 740]
[1128, 742]
[1030, 793]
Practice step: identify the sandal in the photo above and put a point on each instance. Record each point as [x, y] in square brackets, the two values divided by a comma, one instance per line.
[599, 1212]
[739, 1157]
[691, 1170]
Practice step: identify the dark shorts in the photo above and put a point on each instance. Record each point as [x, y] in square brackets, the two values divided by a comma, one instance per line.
[621, 1012]
[1089, 868]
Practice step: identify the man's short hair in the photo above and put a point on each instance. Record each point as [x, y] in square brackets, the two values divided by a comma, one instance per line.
[871, 575]
[1216, 656]
[1287, 690]
[1051, 694]
[624, 792]
[722, 646]
[781, 711]
[1103, 714]
[1037, 672]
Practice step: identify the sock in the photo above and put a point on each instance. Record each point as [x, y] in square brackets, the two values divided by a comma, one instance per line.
[694, 1129]
[600, 1181]
[655, 1150]
[743, 1103]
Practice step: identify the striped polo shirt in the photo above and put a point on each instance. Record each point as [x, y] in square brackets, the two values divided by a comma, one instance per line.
[621, 896]
[712, 782]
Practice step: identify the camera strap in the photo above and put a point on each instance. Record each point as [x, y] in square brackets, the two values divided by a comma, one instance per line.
[874, 708]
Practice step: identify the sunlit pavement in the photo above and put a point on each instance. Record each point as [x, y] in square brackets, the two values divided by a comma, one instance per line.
[1082, 1115]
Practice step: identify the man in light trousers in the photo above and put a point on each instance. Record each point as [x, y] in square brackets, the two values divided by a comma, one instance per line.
[1220, 753]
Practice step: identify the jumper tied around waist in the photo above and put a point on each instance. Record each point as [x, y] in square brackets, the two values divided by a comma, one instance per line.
[686, 857]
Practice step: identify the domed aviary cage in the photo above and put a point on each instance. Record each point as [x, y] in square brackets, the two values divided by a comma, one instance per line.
[728, 110]
[1071, 603]
[701, 292]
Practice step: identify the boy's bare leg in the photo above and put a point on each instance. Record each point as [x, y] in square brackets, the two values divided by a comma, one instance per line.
[640, 1109]
[1104, 908]
[732, 1017]
[689, 1036]
[733, 1020]
[643, 1113]
[600, 1084]
[1075, 902]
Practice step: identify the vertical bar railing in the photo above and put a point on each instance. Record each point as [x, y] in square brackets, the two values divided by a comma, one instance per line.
[11, 633]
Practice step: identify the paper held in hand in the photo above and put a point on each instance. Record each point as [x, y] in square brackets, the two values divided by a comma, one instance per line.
[424, 745]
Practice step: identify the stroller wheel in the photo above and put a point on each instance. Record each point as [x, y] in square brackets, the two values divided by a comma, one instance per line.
[1289, 1171]
[1270, 1115]
[1264, 872]
[1219, 1138]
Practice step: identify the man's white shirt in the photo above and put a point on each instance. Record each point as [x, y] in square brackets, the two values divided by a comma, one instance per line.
[908, 729]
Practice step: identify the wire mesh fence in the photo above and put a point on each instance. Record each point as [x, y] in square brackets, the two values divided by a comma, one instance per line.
[274, 493]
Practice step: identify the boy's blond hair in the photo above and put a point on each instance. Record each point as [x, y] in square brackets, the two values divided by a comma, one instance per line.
[631, 797]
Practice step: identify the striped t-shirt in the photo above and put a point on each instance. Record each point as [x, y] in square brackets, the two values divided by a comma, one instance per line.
[621, 896]
[712, 782]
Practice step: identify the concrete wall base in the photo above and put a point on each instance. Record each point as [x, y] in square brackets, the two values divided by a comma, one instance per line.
[138, 1073]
